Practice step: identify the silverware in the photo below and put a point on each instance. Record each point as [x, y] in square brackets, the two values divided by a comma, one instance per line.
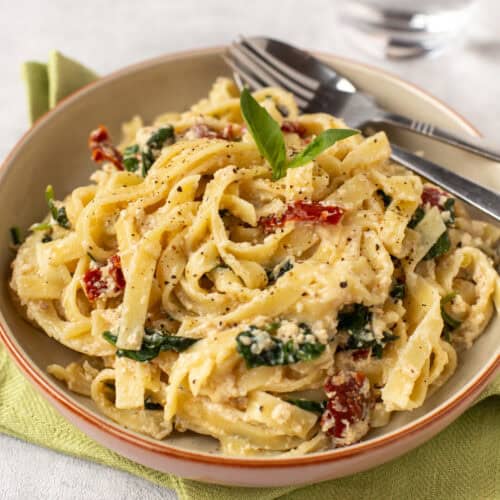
[318, 87]
[258, 72]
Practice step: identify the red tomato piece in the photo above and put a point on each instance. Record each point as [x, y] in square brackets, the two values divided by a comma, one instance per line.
[349, 402]
[294, 128]
[433, 196]
[303, 211]
[107, 280]
[102, 149]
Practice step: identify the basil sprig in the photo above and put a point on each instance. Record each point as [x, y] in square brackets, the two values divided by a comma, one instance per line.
[268, 137]
[153, 342]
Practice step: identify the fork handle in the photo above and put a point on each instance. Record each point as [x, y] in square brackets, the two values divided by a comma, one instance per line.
[477, 146]
[484, 199]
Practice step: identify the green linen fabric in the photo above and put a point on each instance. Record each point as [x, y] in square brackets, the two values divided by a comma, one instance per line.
[47, 84]
[462, 462]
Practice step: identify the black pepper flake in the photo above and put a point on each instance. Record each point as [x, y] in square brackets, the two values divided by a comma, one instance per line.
[343, 284]
[179, 189]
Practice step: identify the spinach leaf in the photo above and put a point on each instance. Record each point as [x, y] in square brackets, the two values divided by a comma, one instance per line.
[442, 246]
[130, 158]
[149, 404]
[154, 342]
[278, 271]
[266, 133]
[308, 405]
[378, 347]
[323, 141]
[42, 226]
[159, 138]
[417, 216]
[449, 206]
[15, 234]
[147, 160]
[386, 199]
[355, 320]
[398, 290]
[58, 214]
[268, 137]
[450, 323]
[259, 348]
[135, 158]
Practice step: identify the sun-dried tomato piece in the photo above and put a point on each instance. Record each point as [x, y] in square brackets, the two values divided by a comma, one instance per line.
[347, 411]
[433, 196]
[202, 130]
[102, 149]
[360, 354]
[304, 211]
[116, 271]
[294, 128]
[107, 280]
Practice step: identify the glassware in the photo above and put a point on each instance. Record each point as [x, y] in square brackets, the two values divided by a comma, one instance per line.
[405, 28]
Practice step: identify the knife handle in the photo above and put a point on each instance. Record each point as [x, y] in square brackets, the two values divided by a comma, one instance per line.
[482, 198]
[471, 144]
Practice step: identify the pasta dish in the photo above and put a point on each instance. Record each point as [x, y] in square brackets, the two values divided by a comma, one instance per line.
[266, 278]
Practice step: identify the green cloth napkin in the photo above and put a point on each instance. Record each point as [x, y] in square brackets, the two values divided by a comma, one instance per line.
[462, 462]
[47, 84]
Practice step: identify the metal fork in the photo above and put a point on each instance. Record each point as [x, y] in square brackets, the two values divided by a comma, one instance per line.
[255, 67]
[318, 87]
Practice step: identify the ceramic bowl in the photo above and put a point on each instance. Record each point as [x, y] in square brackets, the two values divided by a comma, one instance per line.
[55, 151]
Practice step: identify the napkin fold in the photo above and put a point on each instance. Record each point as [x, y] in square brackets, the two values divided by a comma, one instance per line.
[462, 462]
[47, 84]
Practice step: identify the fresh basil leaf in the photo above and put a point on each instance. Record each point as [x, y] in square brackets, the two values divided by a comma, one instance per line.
[154, 342]
[266, 133]
[442, 246]
[323, 141]
[308, 405]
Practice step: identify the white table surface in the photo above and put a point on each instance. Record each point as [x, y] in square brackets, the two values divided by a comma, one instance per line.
[107, 35]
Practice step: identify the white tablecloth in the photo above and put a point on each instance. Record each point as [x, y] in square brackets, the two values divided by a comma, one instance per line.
[109, 35]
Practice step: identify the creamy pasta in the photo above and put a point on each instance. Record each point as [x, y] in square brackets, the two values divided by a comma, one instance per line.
[278, 316]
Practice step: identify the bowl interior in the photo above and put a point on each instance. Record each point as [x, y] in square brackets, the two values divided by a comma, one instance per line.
[55, 151]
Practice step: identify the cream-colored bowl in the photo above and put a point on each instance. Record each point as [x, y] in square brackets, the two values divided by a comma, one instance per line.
[55, 151]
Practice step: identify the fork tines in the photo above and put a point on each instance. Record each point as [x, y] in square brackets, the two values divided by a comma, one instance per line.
[258, 68]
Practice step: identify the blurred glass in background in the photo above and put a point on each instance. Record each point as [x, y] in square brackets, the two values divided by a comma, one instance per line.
[406, 28]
